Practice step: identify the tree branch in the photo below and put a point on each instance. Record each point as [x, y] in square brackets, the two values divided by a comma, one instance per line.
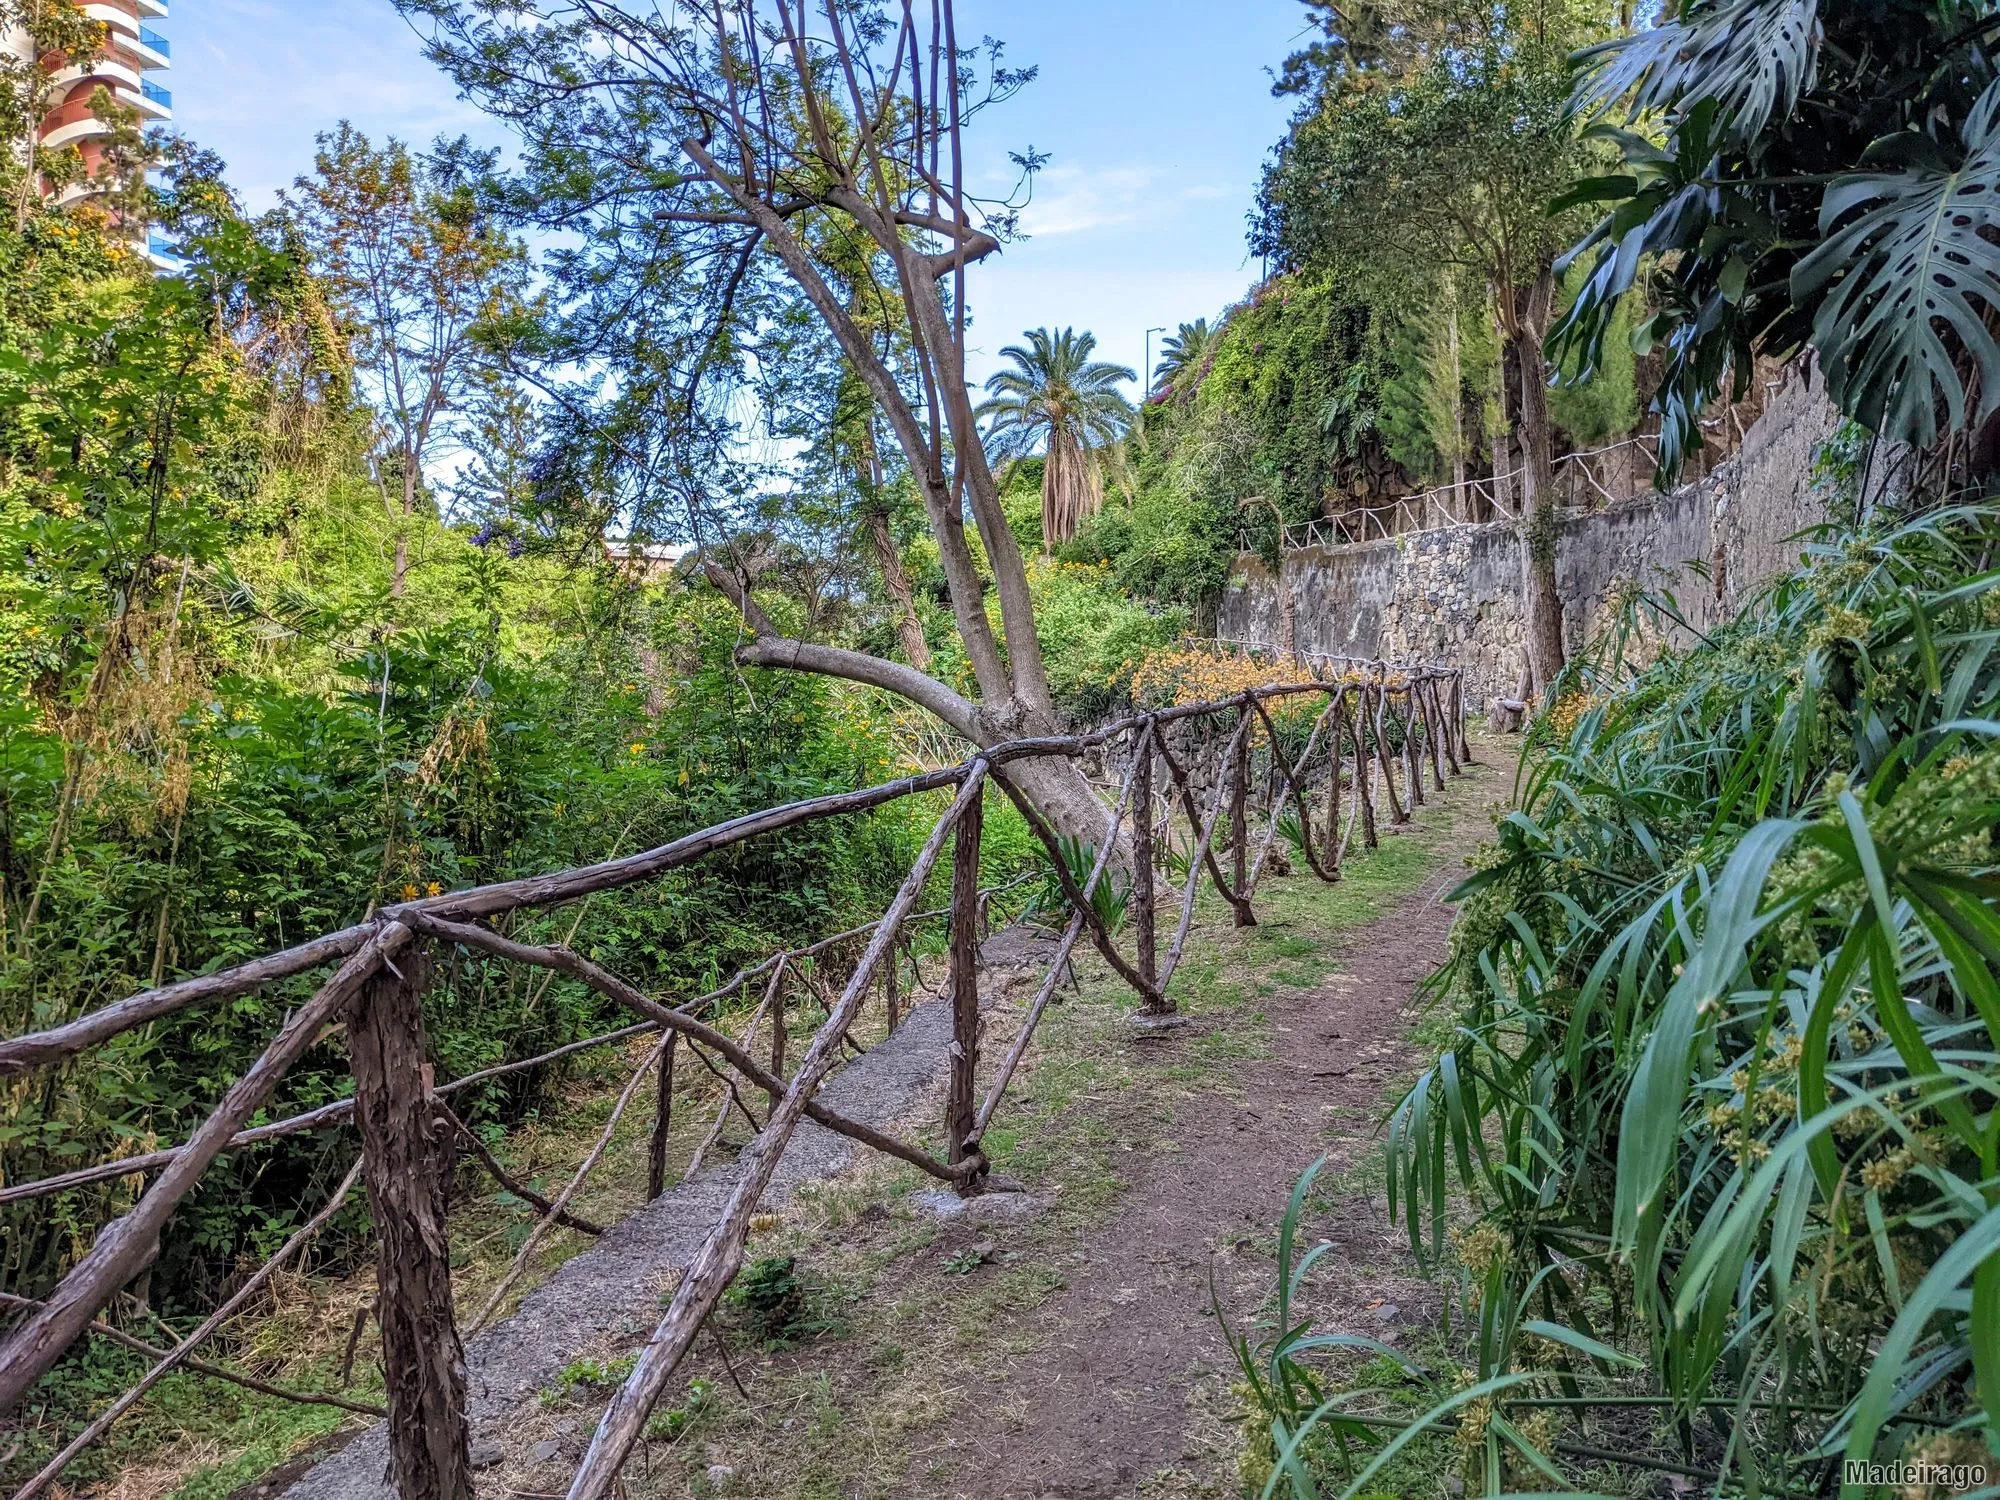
[608, 984]
[767, 648]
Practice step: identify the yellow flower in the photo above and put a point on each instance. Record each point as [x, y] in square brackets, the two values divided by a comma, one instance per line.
[433, 889]
[409, 892]
[638, 747]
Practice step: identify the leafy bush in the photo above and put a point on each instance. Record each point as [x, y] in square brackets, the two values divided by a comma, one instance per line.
[1727, 995]
[1091, 632]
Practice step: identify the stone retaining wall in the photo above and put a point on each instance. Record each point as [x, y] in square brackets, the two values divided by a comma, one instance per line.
[1454, 595]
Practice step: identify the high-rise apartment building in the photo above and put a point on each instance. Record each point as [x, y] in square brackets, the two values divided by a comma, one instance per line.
[133, 53]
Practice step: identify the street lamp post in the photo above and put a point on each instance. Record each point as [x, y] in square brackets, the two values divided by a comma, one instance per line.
[1146, 374]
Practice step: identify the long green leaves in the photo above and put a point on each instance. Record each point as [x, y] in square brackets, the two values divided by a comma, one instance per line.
[1728, 1003]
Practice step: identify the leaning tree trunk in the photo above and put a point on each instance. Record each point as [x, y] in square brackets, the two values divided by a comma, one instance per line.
[1541, 525]
[896, 583]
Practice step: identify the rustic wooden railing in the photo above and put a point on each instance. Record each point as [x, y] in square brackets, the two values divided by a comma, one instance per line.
[1579, 483]
[1380, 730]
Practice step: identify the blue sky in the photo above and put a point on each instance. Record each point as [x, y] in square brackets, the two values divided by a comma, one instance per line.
[1157, 115]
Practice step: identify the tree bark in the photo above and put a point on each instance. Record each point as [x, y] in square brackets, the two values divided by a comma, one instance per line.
[1541, 525]
[408, 1153]
[896, 583]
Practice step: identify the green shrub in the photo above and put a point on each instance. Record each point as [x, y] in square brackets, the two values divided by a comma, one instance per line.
[1727, 993]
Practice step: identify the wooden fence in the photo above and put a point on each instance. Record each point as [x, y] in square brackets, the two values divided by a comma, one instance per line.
[1580, 485]
[1379, 734]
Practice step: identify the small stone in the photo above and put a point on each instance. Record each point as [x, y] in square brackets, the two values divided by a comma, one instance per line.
[565, 1429]
[548, 1451]
[486, 1453]
[719, 1476]
[1386, 1313]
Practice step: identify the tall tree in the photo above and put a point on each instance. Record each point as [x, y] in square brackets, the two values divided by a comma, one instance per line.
[418, 266]
[1438, 133]
[702, 160]
[1183, 354]
[1061, 402]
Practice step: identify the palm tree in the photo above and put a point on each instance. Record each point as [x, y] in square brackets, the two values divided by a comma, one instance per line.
[1058, 401]
[1182, 352]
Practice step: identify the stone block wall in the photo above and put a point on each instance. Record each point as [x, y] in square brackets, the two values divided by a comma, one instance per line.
[1454, 595]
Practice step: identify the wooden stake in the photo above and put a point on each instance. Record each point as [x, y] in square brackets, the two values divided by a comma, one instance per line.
[663, 1120]
[1142, 859]
[892, 985]
[1361, 767]
[721, 1255]
[1413, 755]
[1239, 823]
[778, 1037]
[407, 1152]
[1446, 738]
[1334, 762]
[964, 984]
[1386, 760]
[127, 1245]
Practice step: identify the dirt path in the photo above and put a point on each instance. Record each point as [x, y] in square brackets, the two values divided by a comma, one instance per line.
[1105, 1400]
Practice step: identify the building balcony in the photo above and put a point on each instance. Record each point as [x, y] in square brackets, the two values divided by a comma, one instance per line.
[124, 25]
[112, 71]
[152, 49]
[69, 132]
[154, 100]
[153, 9]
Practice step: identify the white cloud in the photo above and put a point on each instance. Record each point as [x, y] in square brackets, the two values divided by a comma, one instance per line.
[1081, 200]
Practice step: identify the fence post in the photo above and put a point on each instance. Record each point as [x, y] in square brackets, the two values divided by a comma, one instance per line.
[778, 1032]
[408, 1159]
[1413, 755]
[663, 1120]
[1446, 737]
[1142, 859]
[1361, 775]
[1334, 761]
[1434, 735]
[892, 987]
[960, 1104]
[1458, 716]
[1385, 758]
[1239, 822]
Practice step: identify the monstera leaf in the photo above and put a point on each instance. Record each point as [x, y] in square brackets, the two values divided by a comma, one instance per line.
[1909, 271]
[1753, 58]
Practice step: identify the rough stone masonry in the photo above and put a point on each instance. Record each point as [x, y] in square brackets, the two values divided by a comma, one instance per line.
[1454, 595]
